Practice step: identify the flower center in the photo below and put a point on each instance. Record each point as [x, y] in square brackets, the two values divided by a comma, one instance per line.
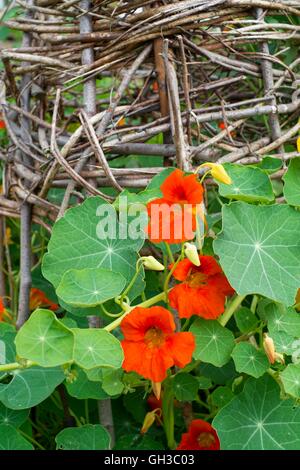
[154, 337]
[205, 439]
[196, 279]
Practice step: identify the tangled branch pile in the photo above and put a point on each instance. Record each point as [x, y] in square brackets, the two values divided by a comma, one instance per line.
[167, 82]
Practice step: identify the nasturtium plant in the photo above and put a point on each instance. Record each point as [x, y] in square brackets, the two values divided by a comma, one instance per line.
[149, 227]
[153, 326]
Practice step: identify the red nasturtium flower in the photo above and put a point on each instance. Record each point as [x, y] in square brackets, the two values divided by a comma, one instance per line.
[151, 345]
[200, 436]
[173, 217]
[203, 289]
[2, 124]
[38, 299]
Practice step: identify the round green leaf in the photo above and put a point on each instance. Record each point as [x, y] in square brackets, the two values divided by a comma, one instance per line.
[249, 360]
[248, 184]
[12, 417]
[45, 340]
[291, 180]
[90, 287]
[214, 343]
[96, 348]
[283, 319]
[259, 250]
[10, 439]
[111, 381]
[77, 242]
[291, 380]
[29, 387]
[185, 387]
[7, 345]
[245, 320]
[270, 164]
[95, 375]
[221, 396]
[88, 437]
[204, 383]
[83, 389]
[284, 343]
[257, 419]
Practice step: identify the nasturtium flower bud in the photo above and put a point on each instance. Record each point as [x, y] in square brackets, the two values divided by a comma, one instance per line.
[270, 350]
[219, 173]
[191, 253]
[150, 262]
[148, 421]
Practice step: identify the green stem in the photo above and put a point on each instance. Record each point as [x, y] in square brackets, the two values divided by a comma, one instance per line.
[86, 411]
[185, 325]
[231, 308]
[167, 280]
[169, 251]
[254, 304]
[168, 413]
[202, 403]
[130, 285]
[146, 304]
[112, 315]
[31, 439]
[15, 366]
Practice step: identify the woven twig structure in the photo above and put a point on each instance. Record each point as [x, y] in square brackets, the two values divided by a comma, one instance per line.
[172, 82]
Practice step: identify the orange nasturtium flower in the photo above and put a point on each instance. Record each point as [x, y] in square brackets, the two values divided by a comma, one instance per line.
[173, 216]
[151, 345]
[38, 299]
[200, 436]
[203, 289]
